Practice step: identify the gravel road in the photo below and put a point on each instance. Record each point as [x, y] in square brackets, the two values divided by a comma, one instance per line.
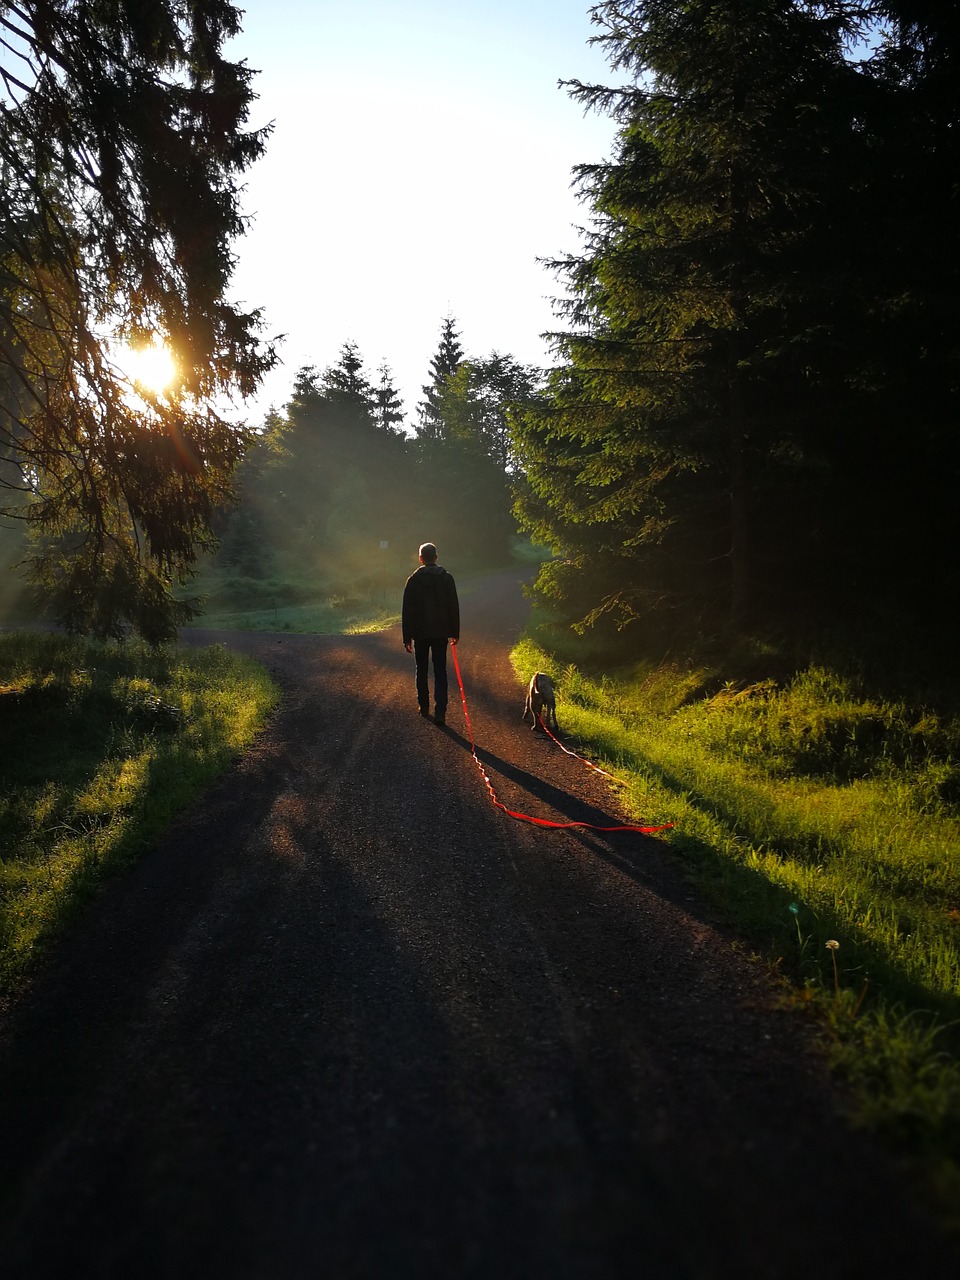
[347, 1020]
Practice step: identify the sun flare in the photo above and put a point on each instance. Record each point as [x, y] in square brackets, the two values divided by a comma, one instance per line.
[151, 368]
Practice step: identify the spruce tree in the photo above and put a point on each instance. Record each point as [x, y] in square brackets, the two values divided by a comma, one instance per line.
[681, 415]
[333, 477]
[122, 140]
[444, 364]
[906, 471]
[388, 407]
[347, 389]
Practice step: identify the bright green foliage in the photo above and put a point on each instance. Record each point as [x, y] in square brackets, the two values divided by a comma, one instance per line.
[122, 141]
[730, 416]
[111, 743]
[845, 801]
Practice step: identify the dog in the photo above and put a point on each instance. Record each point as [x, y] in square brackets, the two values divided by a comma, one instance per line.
[541, 701]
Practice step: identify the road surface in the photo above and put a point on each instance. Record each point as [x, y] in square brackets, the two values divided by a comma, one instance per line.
[347, 1020]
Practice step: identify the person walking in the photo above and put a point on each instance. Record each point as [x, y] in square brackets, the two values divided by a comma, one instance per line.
[430, 616]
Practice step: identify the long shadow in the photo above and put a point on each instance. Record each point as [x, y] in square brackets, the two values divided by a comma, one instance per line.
[642, 858]
[304, 1080]
[763, 908]
[309, 1067]
[573, 809]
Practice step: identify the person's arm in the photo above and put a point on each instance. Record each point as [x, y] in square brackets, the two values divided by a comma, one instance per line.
[454, 609]
[406, 616]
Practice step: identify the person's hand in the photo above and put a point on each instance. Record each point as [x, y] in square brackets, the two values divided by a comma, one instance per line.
[409, 647]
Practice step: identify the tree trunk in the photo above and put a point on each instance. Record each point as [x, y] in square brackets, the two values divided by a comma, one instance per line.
[739, 520]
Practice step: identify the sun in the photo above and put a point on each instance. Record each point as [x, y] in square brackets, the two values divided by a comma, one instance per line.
[150, 368]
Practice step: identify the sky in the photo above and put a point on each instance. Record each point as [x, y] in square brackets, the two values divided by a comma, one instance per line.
[420, 163]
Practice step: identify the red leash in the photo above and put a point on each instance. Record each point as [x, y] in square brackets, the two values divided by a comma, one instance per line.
[589, 763]
[525, 817]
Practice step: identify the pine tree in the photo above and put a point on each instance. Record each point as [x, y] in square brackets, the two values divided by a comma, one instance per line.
[466, 472]
[332, 477]
[347, 389]
[682, 418]
[479, 399]
[444, 364]
[905, 469]
[122, 138]
[388, 407]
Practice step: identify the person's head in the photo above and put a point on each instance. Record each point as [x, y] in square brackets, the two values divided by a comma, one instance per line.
[428, 553]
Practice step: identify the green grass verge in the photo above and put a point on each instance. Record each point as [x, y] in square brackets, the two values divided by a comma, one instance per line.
[102, 746]
[232, 602]
[810, 813]
[310, 607]
[329, 617]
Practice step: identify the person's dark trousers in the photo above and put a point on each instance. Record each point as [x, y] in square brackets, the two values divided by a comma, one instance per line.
[422, 650]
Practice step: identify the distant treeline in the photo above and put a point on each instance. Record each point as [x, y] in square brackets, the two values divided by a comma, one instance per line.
[335, 488]
[755, 413]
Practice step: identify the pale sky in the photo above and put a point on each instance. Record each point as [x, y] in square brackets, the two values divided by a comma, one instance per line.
[420, 164]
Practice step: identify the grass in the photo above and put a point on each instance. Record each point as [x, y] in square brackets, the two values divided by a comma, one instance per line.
[233, 602]
[102, 746]
[810, 811]
[332, 616]
[364, 603]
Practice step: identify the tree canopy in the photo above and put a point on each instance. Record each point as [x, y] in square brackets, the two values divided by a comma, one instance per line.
[757, 355]
[122, 139]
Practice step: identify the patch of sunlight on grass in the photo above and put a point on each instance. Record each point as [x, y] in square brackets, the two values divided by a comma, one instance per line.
[806, 812]
[327, 618]
[379, 622]
[136, 735]
[118, 786]
[814, 841]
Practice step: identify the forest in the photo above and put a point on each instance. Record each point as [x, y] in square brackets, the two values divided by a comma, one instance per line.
[737, 475]
[336, 496]
[749, 422]
[753, 420]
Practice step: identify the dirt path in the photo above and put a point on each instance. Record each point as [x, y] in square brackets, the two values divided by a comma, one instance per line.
[347, 1020]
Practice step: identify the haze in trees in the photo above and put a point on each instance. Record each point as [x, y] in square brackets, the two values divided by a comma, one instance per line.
[335, 491]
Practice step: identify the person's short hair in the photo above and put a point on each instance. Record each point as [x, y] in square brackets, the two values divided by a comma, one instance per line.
[428, 553]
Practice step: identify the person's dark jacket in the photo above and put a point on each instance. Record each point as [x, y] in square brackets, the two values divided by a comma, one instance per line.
[431, 610]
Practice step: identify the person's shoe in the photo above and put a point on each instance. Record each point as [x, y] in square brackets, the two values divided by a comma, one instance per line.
[440, 721]
[425, 713]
